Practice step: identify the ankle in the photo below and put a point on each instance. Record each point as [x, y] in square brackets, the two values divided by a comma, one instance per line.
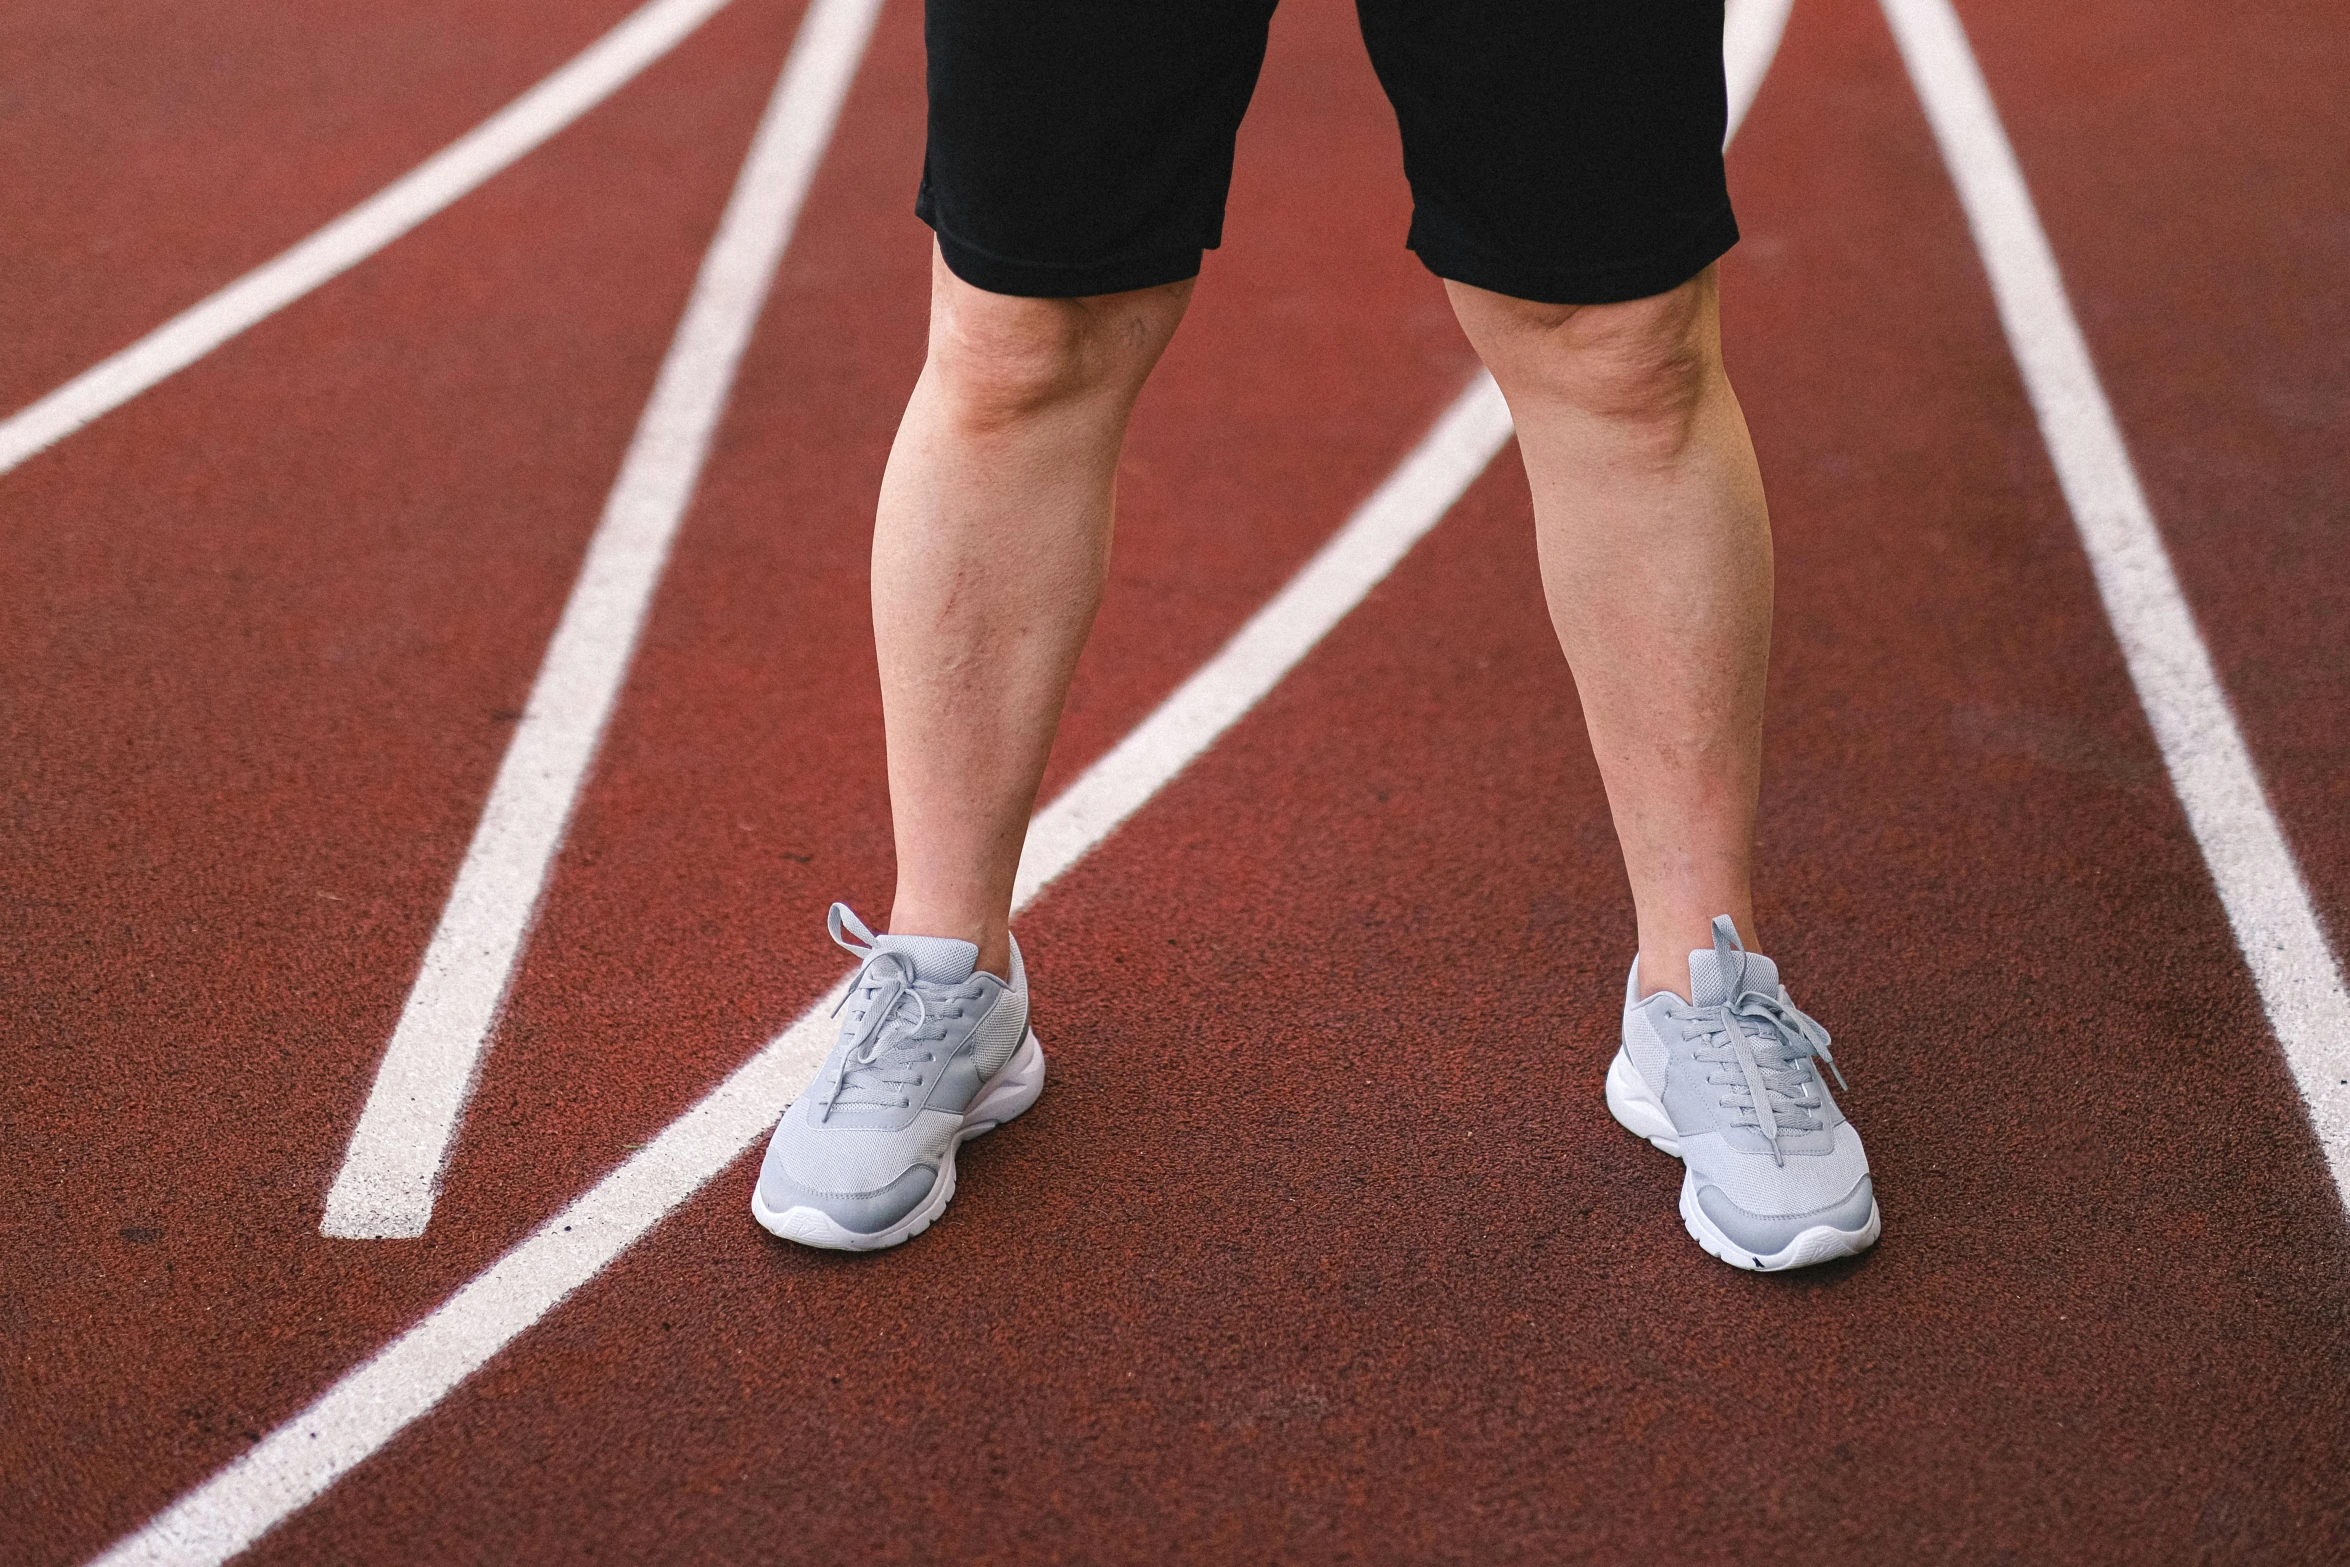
[993, 938]
[995, 955]
[1663, 971]
[1667, 939]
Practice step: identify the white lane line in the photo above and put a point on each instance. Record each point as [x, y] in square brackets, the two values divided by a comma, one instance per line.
[392, 1168]
[2251, 862]
[370, 1405]
[375, 1401]
[587, 80]
[1751, 30]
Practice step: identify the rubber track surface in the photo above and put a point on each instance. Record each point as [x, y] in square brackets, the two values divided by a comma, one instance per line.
[1321, 1247]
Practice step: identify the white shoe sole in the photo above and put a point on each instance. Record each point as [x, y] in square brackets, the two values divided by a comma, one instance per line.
[1011, 1091]
[1637, 1110]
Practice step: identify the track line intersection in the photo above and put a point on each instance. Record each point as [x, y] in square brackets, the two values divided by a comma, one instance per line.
[1364, 1273]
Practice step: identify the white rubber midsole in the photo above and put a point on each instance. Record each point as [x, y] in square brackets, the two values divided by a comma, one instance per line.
[1011, 1091]
[1636, 1109]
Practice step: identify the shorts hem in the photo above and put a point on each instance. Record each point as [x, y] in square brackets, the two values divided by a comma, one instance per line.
[1062, 280]
[1656, 273]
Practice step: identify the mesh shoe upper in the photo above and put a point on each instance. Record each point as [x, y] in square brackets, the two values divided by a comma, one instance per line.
[1735, 1070]
[920, 1033]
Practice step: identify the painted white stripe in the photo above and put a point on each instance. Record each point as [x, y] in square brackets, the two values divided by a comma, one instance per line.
[591, 76]
[370, 1405]
[2251, 863]
[374, 1402]
[392, 1167]
[1751, 30]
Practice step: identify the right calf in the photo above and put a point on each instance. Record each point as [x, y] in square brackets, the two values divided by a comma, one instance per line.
[989, 553]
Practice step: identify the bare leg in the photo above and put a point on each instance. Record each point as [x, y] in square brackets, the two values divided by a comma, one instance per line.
[988, 558]
[1656, 560]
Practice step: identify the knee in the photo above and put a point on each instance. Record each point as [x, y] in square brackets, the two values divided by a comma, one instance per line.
[1002, 360]
[1645, 365]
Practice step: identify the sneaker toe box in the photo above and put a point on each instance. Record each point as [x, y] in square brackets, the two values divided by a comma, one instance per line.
[1767, 1235]
[866, 1212]
[864, 1180]
[1763, 1204]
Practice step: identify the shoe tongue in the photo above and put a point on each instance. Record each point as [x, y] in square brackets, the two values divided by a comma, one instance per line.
[1710, 987]
[937, 960]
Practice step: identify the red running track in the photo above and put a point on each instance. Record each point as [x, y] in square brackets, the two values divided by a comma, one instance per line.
[1346, 1262]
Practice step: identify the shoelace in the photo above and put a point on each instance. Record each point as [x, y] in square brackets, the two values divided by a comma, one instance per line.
[878, 1062]
[1769, 1040]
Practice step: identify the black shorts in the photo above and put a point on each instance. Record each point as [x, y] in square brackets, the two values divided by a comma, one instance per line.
[1568, 151]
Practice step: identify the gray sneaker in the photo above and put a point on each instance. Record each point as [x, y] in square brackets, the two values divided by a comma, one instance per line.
[930, 1055]
[1774, 1175]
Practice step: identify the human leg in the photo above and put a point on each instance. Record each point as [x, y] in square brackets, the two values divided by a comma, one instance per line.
[1567, 184]
[1076, 167]
[989, 553]
[1566, 168]
[1656, 560]
[1077, 159]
